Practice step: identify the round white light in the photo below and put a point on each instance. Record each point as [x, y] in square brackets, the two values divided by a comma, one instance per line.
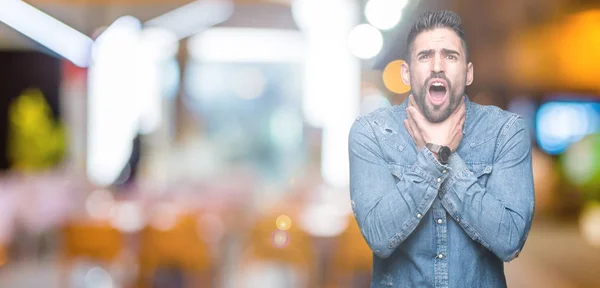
[128, 217]
[365, 41]
[384, 14]
[373, 101]
[98, 278]
[100, 204]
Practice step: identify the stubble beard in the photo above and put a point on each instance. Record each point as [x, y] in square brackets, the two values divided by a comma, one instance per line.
[432, 114]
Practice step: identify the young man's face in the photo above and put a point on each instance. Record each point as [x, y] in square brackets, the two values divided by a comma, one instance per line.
[438, 73]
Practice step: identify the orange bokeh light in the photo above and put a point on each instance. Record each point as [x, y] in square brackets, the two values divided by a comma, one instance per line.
[392, 78]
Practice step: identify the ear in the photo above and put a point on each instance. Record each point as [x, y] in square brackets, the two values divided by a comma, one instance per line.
[469, 74]
[405, 73]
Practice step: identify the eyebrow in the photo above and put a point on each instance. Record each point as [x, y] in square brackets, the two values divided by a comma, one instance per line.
[450, 51]
[444, 51]
[425, 52]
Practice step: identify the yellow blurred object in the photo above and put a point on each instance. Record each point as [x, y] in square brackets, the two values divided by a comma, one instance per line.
[263, 242]
[352, 253]
[36, 141]
[96, 240]
[562, 55]
[589, 223]
[3, 256]
[577, 50]
[352, 257]
[180, 246]
[392, 78]
[283, 222]
[292, 248]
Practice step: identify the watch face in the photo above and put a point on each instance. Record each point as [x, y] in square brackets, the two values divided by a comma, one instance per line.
[445, 154]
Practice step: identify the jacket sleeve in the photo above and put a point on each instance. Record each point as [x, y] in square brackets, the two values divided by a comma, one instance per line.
[499, 215]
[386, 208]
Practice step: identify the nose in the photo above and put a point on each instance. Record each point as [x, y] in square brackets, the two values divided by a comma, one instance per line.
[437, 64]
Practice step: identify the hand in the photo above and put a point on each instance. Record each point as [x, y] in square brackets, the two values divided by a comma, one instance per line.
[446, 133]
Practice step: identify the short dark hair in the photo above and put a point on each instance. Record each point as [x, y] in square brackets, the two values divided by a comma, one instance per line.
[430, 20]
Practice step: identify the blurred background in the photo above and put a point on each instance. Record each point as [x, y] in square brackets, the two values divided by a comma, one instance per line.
[178, 143]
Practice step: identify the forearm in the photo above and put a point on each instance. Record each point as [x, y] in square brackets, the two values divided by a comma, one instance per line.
[500, 226]
[388, 220]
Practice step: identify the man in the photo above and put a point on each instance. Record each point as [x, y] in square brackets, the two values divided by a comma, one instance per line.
[441, 187]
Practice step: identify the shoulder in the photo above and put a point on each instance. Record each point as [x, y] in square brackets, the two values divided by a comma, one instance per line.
[487, 122]
[388, 119]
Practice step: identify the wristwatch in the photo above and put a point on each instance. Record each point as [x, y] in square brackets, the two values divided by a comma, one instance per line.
[443, 152]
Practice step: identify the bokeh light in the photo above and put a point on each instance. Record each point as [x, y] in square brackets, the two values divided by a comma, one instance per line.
[559, 124]
[128, 217]
[100, 204]
[392, 78]
[98, 278]
[373, 100]
[384, 14]
[581, 163]
[327, 215]
[280, 239]
[164, 216]
[589, 223]
[283, 222]
[365, 41]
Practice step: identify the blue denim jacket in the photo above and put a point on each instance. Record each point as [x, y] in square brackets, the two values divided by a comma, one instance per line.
[434, 225]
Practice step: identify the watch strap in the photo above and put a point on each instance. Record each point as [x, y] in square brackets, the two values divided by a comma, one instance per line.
[435, 148]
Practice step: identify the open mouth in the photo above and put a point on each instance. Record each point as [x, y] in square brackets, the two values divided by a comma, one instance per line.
[437, 91]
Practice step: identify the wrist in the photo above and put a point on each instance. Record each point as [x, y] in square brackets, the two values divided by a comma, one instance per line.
[440, 152]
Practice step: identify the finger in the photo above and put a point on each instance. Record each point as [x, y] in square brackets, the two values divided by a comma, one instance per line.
[411, 101]
[462, 122]
[463, 106]
[416, 116]
[459, 127]
[414, 124]
[408, 128]
[458, 114]
[456, 138]
[462, 117]
[414, 134]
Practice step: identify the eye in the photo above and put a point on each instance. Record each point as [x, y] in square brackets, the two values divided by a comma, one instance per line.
[424, 56]
[451, 57]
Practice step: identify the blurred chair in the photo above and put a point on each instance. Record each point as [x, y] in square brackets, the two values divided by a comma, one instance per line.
[94, 241]
[276, 258]
[176, 256]
[351, 262]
